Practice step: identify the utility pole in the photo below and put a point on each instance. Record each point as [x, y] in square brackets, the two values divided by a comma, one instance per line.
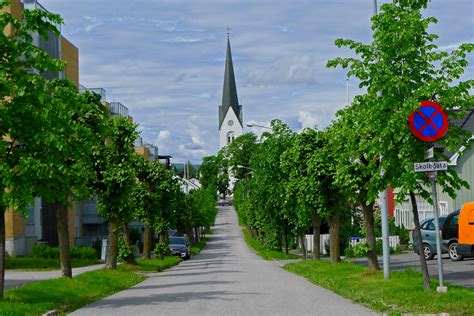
[383, 197]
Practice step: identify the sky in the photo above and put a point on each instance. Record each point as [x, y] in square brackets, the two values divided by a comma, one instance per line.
[164, 59]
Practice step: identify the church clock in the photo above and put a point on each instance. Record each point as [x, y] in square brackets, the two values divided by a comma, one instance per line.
[230, 122]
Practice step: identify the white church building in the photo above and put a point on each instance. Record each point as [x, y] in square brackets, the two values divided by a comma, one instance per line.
[230, 112]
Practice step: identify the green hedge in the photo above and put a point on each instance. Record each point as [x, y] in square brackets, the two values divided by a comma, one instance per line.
[45, 251]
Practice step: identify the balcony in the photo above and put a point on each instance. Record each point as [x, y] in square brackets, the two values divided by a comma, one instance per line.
[118, 109]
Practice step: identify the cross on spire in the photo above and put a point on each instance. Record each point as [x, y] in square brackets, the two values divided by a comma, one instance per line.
[228, 32]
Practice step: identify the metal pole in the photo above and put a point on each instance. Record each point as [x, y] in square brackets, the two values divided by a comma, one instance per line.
[384, 210]
[441, 288]
[385, 234]
[347, 83]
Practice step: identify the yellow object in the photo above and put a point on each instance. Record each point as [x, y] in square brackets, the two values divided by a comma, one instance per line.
[466, 224]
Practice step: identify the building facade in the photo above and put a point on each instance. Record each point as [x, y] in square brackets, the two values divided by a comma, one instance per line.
[40, 224]
[230, 111]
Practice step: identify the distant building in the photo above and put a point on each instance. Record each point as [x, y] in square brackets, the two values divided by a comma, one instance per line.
[230, 112]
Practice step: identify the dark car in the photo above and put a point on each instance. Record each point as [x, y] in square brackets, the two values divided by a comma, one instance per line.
[179, 246]
[450, 236]
[428, 237]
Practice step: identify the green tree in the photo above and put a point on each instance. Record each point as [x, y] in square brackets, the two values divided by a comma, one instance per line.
[239, 153]
[401, 67]
[302, 183]
[24, 109]
[354, 170]
[268, 193]
[115, 179]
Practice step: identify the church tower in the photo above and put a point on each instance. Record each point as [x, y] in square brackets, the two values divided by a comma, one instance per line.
[230, 112]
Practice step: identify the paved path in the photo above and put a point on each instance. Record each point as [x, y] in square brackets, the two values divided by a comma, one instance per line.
[225, 279]
[17, 278]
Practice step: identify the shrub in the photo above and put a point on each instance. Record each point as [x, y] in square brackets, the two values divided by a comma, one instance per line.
[161, 249]
[84, 252]
[45, 251]
[97, 245]
[124, 251]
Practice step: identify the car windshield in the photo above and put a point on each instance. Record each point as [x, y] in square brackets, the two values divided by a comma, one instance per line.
[177, 240]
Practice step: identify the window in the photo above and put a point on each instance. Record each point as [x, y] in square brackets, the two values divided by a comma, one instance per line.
[431, 225]
[230, 137]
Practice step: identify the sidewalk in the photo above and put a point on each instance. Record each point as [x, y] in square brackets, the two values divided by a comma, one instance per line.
[17, 278]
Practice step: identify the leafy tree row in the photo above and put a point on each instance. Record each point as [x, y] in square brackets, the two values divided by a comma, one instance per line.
[289, 182]
[64, 146]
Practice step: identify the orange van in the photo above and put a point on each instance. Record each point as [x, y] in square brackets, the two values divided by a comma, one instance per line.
[466, 230]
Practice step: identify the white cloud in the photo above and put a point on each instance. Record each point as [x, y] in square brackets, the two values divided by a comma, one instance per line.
[306, 119]
[164, 59]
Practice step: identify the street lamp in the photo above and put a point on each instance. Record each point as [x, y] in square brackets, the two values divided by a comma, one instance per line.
[256, 125]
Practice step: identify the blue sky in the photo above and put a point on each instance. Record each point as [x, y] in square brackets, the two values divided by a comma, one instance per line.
[164, 59]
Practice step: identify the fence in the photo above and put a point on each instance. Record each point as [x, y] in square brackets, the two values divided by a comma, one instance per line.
[392, 240]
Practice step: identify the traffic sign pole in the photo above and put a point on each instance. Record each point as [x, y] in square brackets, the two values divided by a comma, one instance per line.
[430, 123]
[441, 288]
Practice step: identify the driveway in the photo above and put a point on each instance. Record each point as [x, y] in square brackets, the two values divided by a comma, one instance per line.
[226, 278]
[459, 273]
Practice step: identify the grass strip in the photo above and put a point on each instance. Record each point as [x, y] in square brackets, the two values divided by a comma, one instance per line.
[196, 248]
[263, 252]
[402, 293]
[43, 264]
[66, 295]
[155, 265]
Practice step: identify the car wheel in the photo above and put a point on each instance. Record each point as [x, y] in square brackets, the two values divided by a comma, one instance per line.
[453, 252]
[428, 252]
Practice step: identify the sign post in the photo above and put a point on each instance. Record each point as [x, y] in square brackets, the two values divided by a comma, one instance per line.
[430, 123]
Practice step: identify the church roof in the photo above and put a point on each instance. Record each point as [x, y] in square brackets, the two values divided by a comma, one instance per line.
[229, 91]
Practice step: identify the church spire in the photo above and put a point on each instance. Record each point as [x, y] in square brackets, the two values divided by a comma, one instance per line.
[229, 91]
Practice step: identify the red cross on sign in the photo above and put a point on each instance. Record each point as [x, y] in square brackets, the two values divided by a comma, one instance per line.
[429, 123]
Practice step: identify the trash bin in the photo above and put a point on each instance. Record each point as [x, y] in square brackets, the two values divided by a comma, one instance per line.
[103, 251]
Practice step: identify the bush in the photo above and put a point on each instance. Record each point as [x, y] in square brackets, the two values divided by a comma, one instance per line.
[124, 251]
[45, 251]
[83, 252]
[161, 249]
[97, 245]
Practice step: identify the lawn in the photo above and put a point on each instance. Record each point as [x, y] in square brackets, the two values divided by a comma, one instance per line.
[195, 249]
[32, 263]
[402, 293]
[66, 295]
[263, 252]
[151, 265]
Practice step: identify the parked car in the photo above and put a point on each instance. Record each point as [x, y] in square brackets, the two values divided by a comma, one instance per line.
[180, 246]
[465, 246]
[428, 237]
[450, 234]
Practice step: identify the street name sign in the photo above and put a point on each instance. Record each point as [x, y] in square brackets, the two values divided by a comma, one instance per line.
[431, 166]
[429, 123]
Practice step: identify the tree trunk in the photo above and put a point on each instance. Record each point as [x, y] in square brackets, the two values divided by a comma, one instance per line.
[335, 237]
[286, 238]
[190, 234]
[126, 239]
[147, 243]
[417, 232]
[196, 234]
[2, 250]
[303, 245]
[316, 221]
[112, 245]
[370, 236]
[63, 239]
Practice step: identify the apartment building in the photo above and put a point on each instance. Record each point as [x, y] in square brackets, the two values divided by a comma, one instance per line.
[21, 233]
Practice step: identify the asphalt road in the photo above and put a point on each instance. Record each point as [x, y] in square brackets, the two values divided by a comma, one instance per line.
[225, 279]
[458, 273]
